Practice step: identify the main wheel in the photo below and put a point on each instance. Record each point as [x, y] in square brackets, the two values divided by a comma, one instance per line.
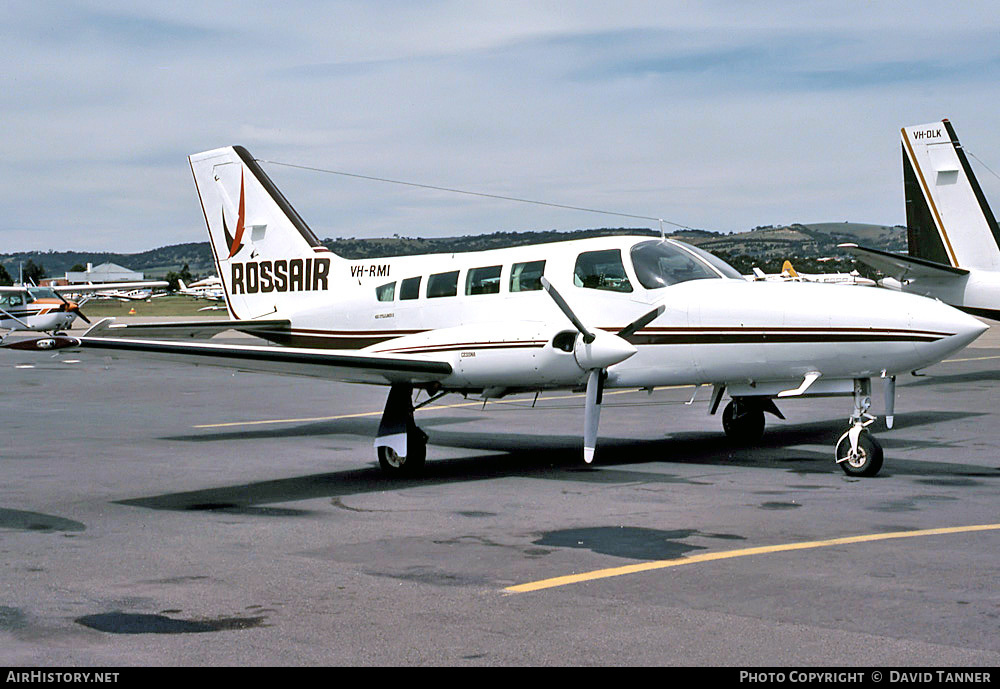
[394, 464]
[867, 461]
[743, 421]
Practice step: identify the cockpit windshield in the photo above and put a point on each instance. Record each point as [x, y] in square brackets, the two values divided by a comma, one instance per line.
[41, 293]
[663, 263]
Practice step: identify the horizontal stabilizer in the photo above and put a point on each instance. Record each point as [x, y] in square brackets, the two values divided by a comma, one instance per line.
[900, 266]
[183, 329]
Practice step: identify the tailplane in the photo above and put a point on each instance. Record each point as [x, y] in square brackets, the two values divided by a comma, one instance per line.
[948, 219]
[268, 258]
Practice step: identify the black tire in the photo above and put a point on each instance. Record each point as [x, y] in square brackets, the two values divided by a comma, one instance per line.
[869, 459]
[410, 465]
[743, 422]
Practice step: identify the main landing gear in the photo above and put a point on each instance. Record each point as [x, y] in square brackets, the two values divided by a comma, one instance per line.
[743, 418]
[858, 452]
[401, 447]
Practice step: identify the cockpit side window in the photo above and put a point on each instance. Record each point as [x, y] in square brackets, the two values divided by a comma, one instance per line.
[10, 299]
[601, 270]
[660, 264]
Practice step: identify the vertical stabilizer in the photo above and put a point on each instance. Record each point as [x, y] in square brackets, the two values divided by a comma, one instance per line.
[269, 261]
[947, 217]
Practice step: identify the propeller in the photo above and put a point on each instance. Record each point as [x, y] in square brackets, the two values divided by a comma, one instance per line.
[596, 351]
[72, 307]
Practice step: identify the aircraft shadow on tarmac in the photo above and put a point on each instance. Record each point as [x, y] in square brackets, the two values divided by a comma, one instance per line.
[556, 457]
[978, 376]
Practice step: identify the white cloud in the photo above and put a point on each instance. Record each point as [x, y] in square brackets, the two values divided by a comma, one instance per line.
[720, 115]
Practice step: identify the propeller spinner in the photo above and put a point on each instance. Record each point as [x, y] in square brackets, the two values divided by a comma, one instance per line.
[595, 352]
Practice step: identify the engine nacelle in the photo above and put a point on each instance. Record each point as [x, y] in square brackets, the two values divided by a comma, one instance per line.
[521, 354]
[44, 344]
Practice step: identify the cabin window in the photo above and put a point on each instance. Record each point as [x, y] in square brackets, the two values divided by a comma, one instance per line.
[443, 284]
[483, 280]
[526, 277]
[409, 288]
[601, 270]
[386, 292]
[659, 264]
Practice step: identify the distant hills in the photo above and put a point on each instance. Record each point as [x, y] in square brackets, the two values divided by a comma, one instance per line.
[766, 247]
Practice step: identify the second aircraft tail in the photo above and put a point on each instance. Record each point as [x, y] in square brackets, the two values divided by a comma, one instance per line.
[948, 219]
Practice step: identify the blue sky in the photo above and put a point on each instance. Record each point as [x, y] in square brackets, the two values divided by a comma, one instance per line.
[715, 115]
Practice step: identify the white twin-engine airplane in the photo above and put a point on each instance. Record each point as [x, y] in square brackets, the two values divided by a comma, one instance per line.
[951, 232]
[592, 314]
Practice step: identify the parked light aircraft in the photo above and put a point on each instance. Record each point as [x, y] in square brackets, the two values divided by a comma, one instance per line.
[128, 294]
[44, 309]
[788, 272]
[951, 232]
[590, 314]
[209, 288]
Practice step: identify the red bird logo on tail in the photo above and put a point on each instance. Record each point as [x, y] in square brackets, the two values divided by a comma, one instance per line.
[234, 243]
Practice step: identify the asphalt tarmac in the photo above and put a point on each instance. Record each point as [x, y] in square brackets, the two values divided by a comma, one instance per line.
[164, 514]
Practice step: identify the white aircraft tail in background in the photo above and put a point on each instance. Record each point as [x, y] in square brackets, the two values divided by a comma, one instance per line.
[209, 288]
[952, 235]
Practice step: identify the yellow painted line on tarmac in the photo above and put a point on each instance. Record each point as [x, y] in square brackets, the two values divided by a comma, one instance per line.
[230, 424]
[729, 554]
[975, 358]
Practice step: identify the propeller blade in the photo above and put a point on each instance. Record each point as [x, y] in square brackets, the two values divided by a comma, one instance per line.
[640, 323]
[592, 412]
[73, 307]
[588, 336]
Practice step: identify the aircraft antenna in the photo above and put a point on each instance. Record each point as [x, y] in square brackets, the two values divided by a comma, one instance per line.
[973, 155]
[478, 193]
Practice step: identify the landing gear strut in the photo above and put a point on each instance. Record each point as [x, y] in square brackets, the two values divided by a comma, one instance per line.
[743, 422]
[858, 453]
[401, 447]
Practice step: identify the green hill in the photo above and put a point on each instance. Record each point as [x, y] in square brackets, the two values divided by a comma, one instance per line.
[765, 246]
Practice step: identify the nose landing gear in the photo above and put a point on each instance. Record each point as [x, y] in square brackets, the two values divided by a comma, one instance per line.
[858, 453]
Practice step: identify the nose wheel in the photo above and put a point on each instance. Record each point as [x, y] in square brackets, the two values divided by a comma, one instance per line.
[858, 452]
[860, 457]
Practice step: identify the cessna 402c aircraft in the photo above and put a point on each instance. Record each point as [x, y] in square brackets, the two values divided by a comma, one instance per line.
[591, 314]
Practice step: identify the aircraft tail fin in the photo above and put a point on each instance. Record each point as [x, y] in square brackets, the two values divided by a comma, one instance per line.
[786, 268]
[948, 219]
[268, 258]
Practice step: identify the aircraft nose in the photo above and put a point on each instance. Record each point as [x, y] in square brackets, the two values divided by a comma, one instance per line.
[961, 328]
[967, 328]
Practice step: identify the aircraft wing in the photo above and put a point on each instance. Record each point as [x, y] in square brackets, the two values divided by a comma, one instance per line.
[342, 365]
[901, 266]
[182, 329]
[92, 287]
[78, 289]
